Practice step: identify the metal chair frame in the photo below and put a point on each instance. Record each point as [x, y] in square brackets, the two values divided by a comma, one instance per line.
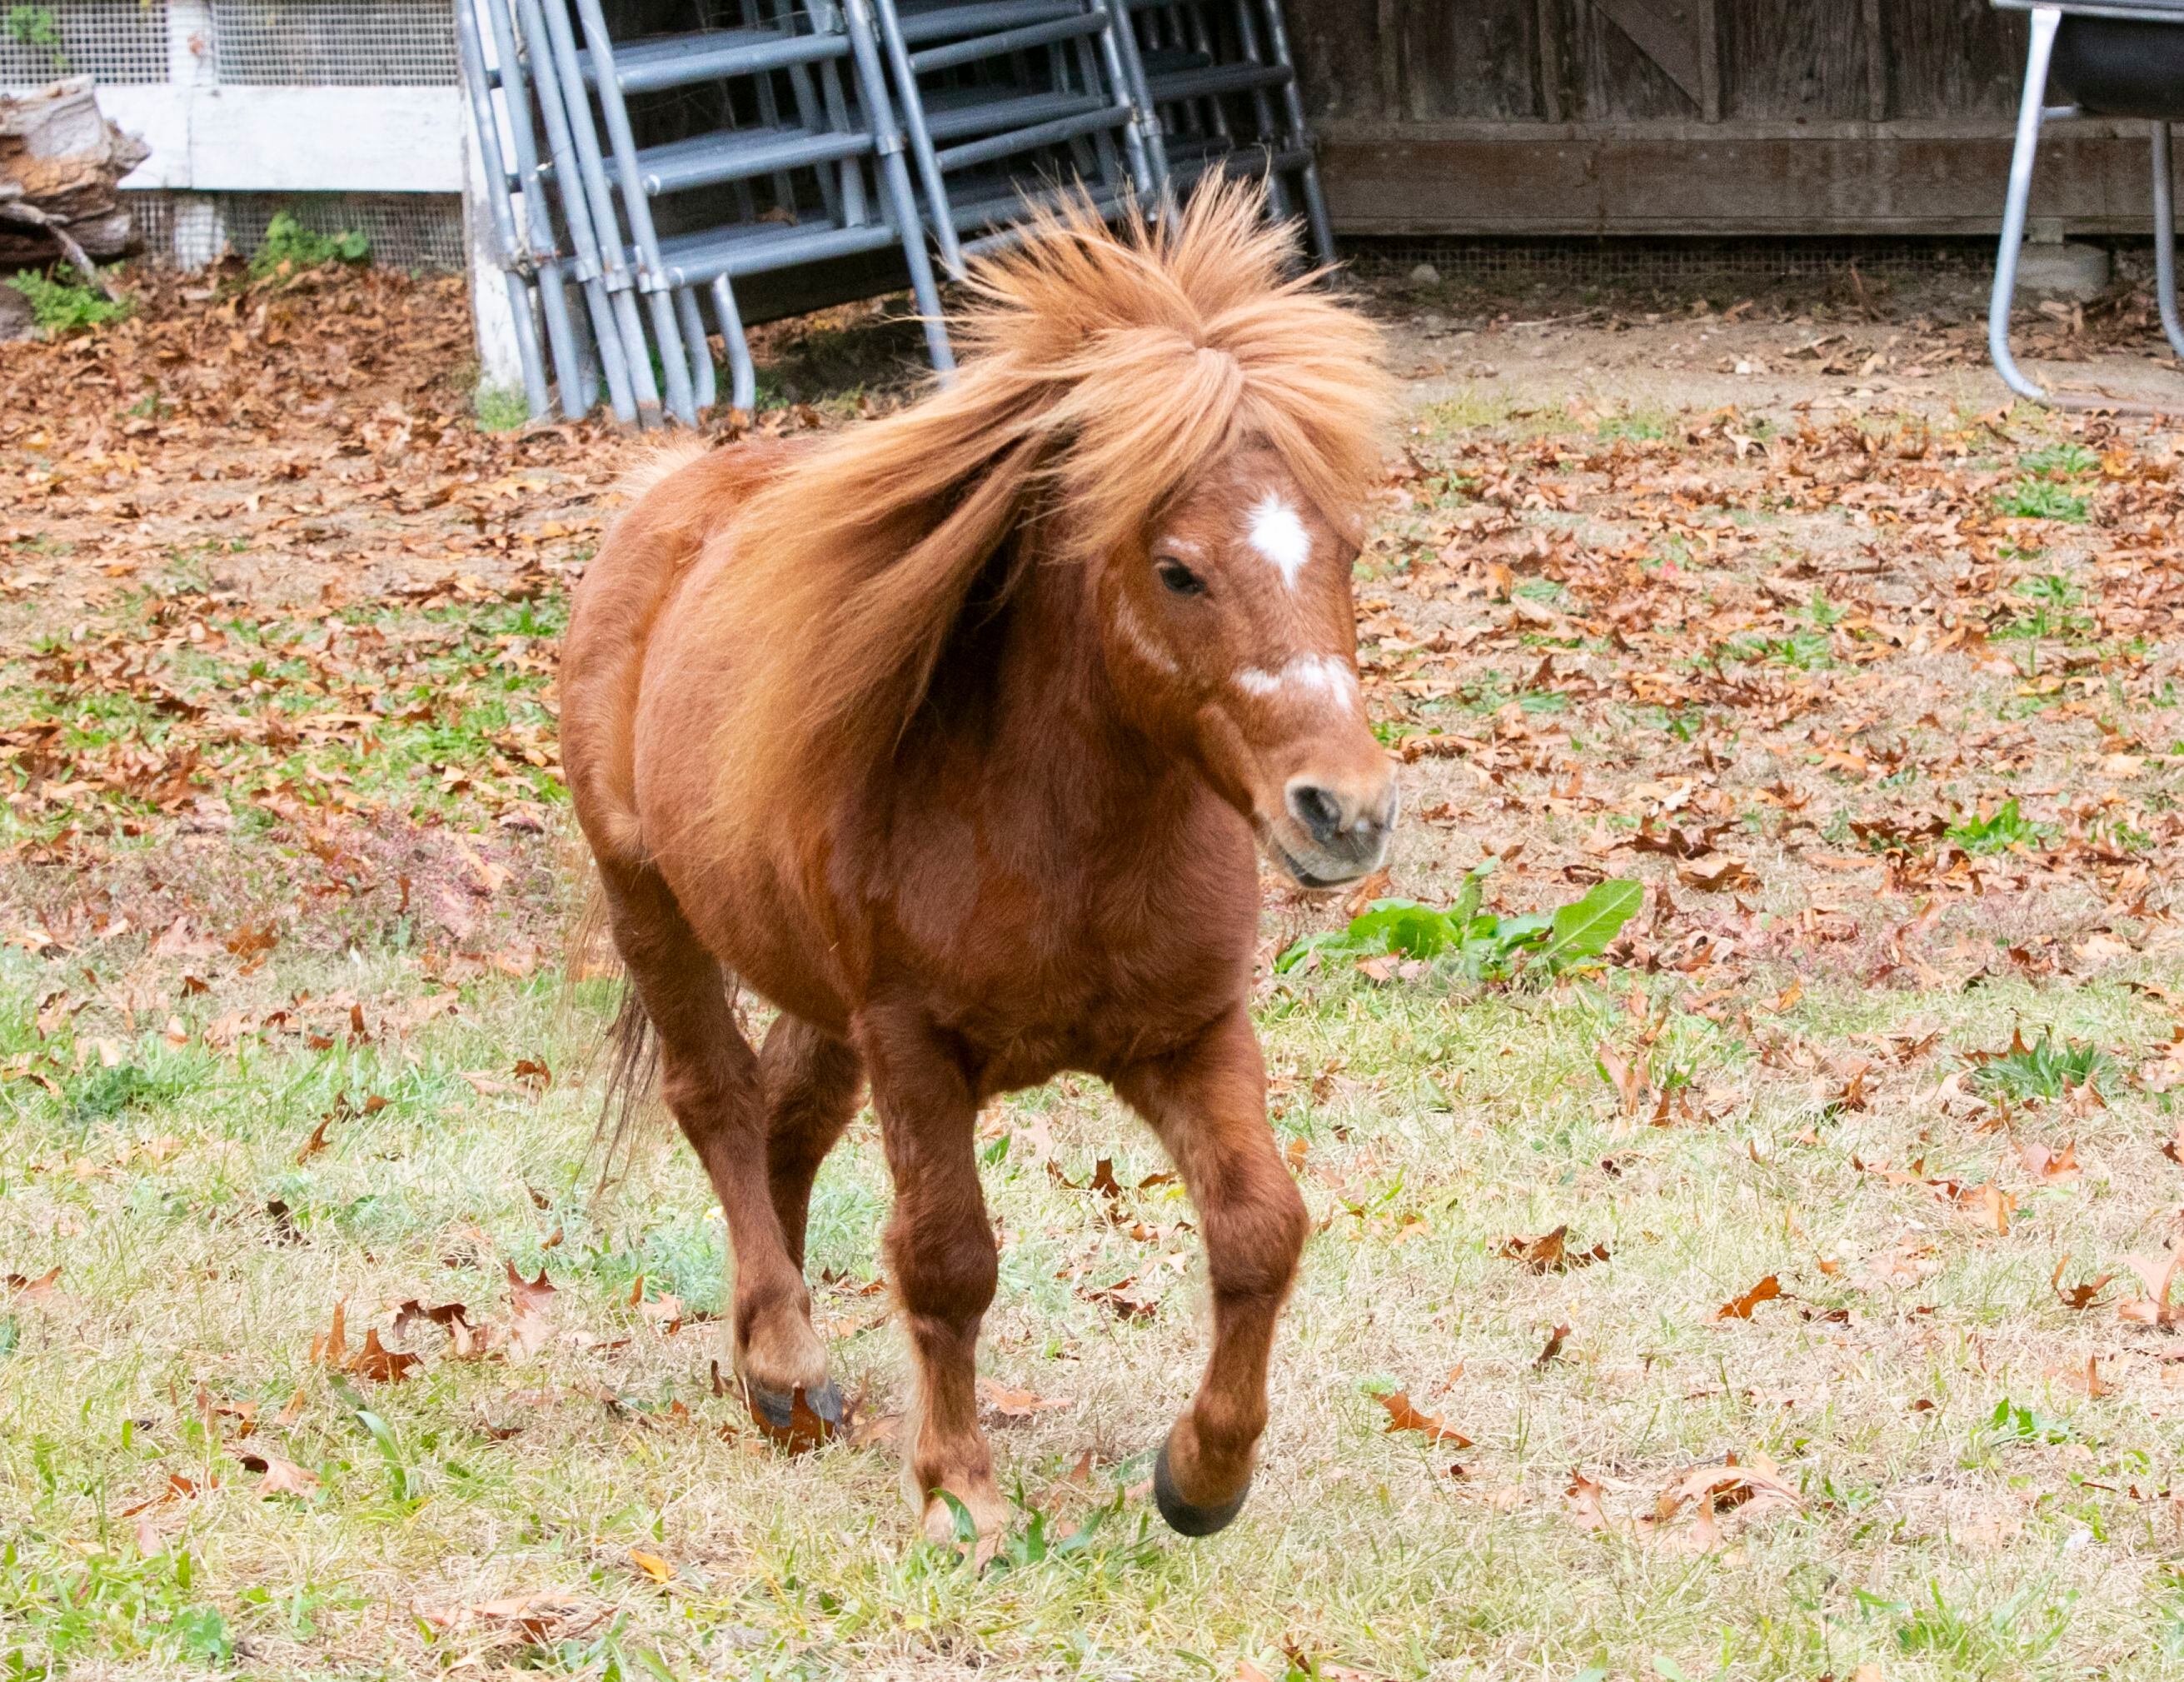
[2033, 114]
[515, 257]
[670, 268]
[1035, 98]
[1086, 99]
[1185, 73]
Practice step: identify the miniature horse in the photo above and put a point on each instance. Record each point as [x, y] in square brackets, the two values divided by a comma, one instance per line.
[949, 736]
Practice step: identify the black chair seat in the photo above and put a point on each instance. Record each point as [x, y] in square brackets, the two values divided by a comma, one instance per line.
[2116, 67]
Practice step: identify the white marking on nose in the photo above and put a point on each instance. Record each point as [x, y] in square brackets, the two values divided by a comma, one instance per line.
[1322, 675]
[1279, 535]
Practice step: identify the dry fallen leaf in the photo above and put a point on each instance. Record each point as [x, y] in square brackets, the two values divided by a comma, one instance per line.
[280, 1477]
[1403, 1416]
[316, 1143]
[1016, 1404]
[2050, 1166]
[652, 1565]
[533, 1618]
[1718, 873]
[1740, 1307]
[32, 1291]
[1550, 1252]
[381, 1365]
[2086, 1380]
[2157, 1273]
[330, 1348]
[2078, 1296]
[1586, 1510]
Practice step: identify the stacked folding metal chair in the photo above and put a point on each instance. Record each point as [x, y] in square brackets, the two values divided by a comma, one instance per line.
[1219, 77]
[1007, 102]
[761, 166]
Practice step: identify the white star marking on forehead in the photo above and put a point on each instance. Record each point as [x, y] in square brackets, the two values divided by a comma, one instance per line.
[1324, 675]
[1278, 534]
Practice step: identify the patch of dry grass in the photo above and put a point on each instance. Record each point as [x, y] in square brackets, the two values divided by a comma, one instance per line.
[1929, 1532]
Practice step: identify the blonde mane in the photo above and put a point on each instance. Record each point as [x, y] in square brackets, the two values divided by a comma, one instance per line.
[1101, 372]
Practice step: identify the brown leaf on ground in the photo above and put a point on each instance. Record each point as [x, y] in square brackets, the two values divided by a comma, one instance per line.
[1586, 1510]
[529, 1327]
[280, 1476]
[2077, 1295]
[1989, 1205]
[380, 1364]
[529, 1297]
[2157, 1273]
[1403, 1416]
[529, 1618]
[881, 1428]
[1626, 1076]
[24, 1289]
[1718, 873]
[1711, 1490]
[316, 1143]
[451, 1318]
[330, 1348]
[2049, 1167]
[1016, 1404]
[1553, 1348]
[1740, 1307]
[1115, 1298]
[1550, 1252]
[2086, 1380]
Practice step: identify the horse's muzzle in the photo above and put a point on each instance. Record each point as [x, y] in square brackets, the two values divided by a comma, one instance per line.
[1333, 832]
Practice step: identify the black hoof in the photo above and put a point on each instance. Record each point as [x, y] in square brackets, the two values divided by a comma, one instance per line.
[777, 1408]
[1183, 1518]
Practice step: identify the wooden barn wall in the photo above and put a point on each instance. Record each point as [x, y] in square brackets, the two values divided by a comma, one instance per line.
[1721, 117]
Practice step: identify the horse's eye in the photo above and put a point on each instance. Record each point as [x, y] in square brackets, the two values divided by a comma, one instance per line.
[1180, 579]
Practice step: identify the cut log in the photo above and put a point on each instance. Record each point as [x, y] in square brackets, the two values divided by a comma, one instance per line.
[61, 165]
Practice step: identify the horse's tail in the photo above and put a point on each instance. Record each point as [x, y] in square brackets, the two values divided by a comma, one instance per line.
[631, 1048]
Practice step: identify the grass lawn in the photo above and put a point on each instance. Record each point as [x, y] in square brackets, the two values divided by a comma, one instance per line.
[1783, 1295]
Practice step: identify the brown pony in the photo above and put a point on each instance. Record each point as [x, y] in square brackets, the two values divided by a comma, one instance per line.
[949, 736]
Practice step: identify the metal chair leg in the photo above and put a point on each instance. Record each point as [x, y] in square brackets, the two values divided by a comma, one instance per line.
[532, 223]
[535, 397]
[911, 112]
[509, 251]
[617, 279]
[2030, 111]
[2164, 239]
[743, 377]
[894, 183]
[1315, 200]
[577, 212]
[637, 209]
[701, 355]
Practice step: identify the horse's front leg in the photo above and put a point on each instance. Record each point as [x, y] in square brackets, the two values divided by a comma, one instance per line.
[1208, 1103]
[941, 1256]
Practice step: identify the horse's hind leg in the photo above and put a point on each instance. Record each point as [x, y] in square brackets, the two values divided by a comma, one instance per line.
[711, 1080]
[811, 1081]
[1208, 1103]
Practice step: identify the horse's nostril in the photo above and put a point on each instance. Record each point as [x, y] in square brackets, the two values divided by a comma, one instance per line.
[1318, 810]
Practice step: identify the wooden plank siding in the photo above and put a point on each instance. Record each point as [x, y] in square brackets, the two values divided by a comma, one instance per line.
[1706, 117]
